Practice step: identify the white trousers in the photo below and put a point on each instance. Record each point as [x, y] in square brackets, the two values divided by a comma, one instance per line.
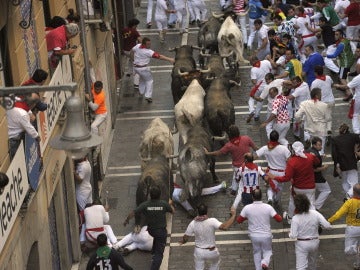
[132, 241]
[191, 11]
[353, 32]
[149, 11]
[352, 239]
[161, 23]
[99, 118]
[310, 193]
[324, 192]
[262, 250]
[241, 20]
[275, 196]
[355, 120]
[306, 254]
[200, 9]
[282, 129]
[350, 178]
[131, 67]
[181, 15]
[145, 81]
[234, 183]
[212, 258]
[255, 108]
[251, 34]
[172, 16]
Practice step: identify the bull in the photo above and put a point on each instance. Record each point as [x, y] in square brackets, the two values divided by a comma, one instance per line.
[189, 110]
[230, 39]
[156, 172]
[219, 110]
[156, 140]
[183, 72]
[193, 162]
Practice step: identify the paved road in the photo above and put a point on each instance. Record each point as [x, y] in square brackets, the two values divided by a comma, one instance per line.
[123, 173]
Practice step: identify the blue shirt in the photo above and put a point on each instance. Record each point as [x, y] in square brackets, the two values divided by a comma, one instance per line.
[314, 59]
[255, 9]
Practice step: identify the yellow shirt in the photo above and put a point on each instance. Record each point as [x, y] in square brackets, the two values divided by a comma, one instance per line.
[352, 210]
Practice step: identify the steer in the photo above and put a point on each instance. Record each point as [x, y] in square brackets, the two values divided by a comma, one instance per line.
[193, 162]
[189, 110]
[219, 109]
[184, 65]
[156, 172]
[230, 39]
[156, 140]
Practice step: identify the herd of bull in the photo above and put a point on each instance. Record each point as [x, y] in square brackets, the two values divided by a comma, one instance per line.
[203, 112]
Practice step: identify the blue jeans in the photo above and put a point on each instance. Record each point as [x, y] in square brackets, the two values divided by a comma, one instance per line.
[158, 246]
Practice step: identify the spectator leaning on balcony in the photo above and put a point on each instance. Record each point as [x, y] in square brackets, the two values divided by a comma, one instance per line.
[97, 105]
[19, 122]
[57, 41]
[4, 180]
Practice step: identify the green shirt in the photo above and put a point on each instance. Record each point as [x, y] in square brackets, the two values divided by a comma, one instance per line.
[155, 213]
[330, 14]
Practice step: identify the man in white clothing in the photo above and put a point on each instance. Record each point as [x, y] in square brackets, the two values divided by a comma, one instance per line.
[83, 189]
[263, 44]
[132, 241]
[258, 215]
[149, 13]
[181, 14]
[315, 115]
[258, 71]
[19, 122]
[276, 156]
[161, 11]
[141, 53]
[96, 216]
[203, 228]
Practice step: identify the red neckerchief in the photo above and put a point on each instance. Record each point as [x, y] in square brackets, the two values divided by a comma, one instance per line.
[29, 82]
[201, 218]
[271, 145]
[21, 104]
[303, 15]
[321, 77]
[142, 46]
[315, 100]
[338, 41]
[298, 84]
[250, 165]
[236, 140]
[257, 64]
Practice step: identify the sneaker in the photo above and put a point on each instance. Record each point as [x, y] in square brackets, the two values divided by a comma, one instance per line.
[136, 87]
[128, 75]
[148, 25]
[287, 218]
[264, 266]
[256, 118]
[251, 115]
[223, 186]
[149, 100]
[348, 98]
[233, 192]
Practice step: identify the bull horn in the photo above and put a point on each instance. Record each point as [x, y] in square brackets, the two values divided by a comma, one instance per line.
[172, 49]
[227, 55]
[205, 54]
[205, 70]
[217, 15]
[217, 138]
[196, 47]
[182, 73]
[146, 159]
[234, 82]
[172, 156]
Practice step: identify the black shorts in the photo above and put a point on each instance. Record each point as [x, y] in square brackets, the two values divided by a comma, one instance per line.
[343, 71]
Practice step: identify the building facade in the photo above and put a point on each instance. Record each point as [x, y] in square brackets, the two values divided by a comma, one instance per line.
[38, 212]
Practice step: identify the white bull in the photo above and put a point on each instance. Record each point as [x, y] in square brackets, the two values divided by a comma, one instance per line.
[156, 140]
[189, 110]
[230, 39]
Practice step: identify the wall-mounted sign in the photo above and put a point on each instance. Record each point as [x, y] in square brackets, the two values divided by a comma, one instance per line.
[14, 194]
[33, 160]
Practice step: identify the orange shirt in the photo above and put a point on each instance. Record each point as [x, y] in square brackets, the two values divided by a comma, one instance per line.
[99, 99]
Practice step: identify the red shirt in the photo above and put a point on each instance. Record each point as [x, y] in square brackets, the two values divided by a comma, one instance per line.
[353, 12]
[56, 38]
[300, 171]
[130, 37]
[238, 149]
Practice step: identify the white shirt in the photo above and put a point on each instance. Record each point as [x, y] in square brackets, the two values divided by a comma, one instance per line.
[263, 33]
[341, 5]
[204, 232]
[355, 83]
[160, 9]
[301, 94]
[258, 215]
[265, 93]
[276, 157]
[300, 21]
[18, 122]
[142, 55]
[327, 95]
[258, 73]
[84, 189]
[95, 216]
[306, 225]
